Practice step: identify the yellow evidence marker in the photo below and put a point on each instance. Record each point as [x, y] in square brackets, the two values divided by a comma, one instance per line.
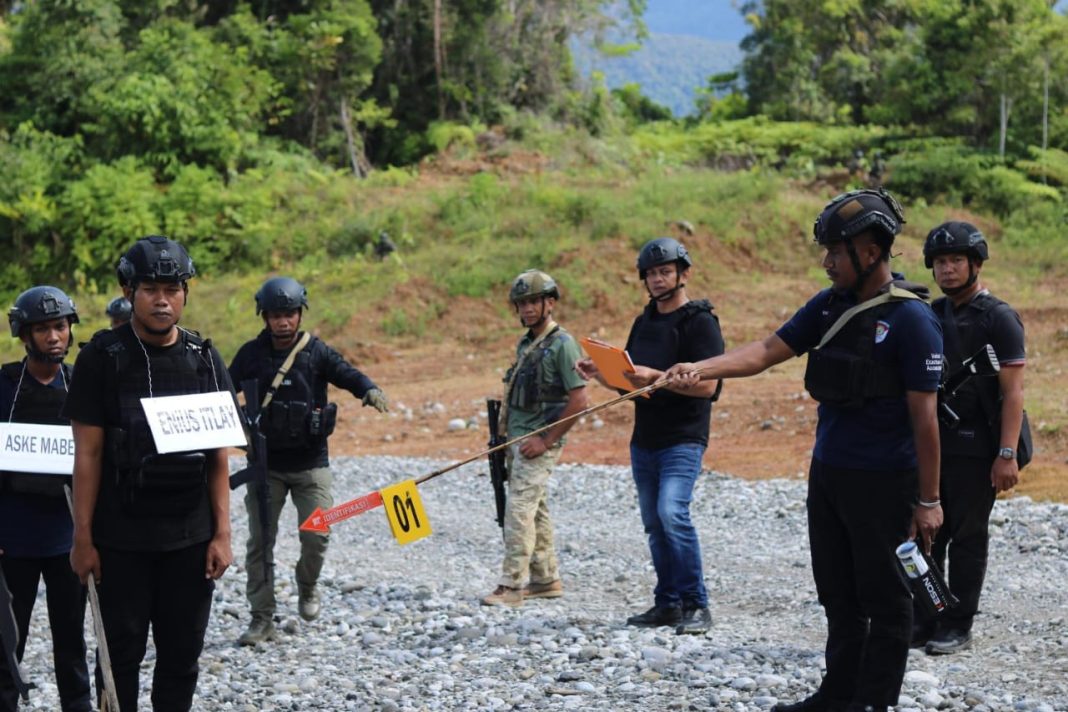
[404, 509]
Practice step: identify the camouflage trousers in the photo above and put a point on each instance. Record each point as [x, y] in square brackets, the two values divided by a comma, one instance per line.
[309, 489]
[529, 553]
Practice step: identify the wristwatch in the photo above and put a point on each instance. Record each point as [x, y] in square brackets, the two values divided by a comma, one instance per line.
[1007, 453]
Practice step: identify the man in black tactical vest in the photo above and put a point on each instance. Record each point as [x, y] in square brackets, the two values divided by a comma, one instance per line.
[152, 529]
[292, 369]
[874, 364]
[670, 432]
[35, 524]
[978, 453]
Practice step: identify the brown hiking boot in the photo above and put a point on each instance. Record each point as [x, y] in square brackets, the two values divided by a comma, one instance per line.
[553, 589]
[504, 596]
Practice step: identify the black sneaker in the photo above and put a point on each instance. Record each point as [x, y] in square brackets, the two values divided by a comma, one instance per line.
[948, 641]
[657, 616]
[695, 621]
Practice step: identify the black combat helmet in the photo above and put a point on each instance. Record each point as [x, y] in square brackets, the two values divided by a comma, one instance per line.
[38, 304]
[955, 237]
[155, 258]
[281, 294]
[661, 251]
[852, 213]
[119, 308]
[533, 283]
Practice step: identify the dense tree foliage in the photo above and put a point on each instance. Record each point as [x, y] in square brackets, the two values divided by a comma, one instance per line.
[973, 68]
[121, 117]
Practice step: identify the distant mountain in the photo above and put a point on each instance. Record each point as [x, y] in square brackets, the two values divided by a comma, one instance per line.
[690, 41]
[717, 20]
[669, 68]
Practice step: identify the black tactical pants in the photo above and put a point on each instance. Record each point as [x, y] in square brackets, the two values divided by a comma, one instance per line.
[65, 597]
[167, 590]
[967, 500]
[856, 519]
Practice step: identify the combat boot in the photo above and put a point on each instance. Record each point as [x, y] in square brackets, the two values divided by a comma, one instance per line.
[308, 604]
[260, 630]
[553, 589]
[504, 596]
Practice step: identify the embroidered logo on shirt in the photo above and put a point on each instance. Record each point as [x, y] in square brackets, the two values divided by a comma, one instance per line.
[881, 330]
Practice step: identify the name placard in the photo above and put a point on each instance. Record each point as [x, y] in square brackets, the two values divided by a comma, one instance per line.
[38, 449]
[197, 421]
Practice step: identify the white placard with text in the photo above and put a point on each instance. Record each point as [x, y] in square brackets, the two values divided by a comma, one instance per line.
[39, 449]
[197, 421]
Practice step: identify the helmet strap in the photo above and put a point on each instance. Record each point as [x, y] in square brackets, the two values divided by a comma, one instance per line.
[541, 319]
[862, 272]
[973, 275]
[669, 294]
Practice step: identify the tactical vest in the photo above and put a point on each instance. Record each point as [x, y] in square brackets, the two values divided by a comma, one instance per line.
[166, 484]
[669, 334]
[299, 416]
[35, 403]
[967, 402]
[843, 372]
[529, 391]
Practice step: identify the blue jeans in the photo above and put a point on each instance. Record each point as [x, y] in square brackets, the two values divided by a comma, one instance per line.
[665, 479]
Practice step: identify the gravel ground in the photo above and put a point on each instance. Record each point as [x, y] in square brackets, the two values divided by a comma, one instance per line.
[401, 627]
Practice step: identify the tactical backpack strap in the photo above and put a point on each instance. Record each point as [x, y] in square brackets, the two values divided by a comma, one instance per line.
[12, 370]
[893, 294]
[109, 341]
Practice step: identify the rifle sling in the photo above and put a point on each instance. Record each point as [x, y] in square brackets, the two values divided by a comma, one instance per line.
[893, 294]
[284, 369]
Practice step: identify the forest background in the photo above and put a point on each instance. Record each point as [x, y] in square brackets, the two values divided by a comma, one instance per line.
[281, 136]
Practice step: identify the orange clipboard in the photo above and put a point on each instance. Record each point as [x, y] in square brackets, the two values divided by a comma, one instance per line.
[612, 362]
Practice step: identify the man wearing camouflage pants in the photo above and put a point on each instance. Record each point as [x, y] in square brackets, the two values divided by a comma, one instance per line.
[541, 388]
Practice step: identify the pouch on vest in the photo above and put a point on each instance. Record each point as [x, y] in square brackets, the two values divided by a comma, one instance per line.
[846, 380]
[321, 422]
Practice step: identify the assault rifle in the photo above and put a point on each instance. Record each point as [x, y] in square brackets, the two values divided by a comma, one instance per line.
[983, 362]
[255, 472]
[498, 469]
[9, 636]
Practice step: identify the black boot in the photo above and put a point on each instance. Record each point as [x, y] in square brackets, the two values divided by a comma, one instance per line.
[657, 616]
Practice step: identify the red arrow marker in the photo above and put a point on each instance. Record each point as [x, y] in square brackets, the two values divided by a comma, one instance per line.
[320, 521]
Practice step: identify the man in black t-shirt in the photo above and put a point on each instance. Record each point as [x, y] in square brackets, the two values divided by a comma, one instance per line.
[296, 422]
[152, 529]
[670, 432]
[979, 452]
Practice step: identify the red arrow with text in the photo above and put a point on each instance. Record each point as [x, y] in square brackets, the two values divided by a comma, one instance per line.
[320, 521]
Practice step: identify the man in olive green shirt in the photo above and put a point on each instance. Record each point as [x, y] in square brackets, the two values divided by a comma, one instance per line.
[541, 388]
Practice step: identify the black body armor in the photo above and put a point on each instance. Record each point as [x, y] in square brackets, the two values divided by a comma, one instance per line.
[169, 483]
[843, 372]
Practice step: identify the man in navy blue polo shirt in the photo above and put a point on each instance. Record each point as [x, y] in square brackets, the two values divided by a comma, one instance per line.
[35, 524]
[874, 363]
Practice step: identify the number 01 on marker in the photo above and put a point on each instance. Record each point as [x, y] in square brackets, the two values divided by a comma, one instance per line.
[404, 509]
